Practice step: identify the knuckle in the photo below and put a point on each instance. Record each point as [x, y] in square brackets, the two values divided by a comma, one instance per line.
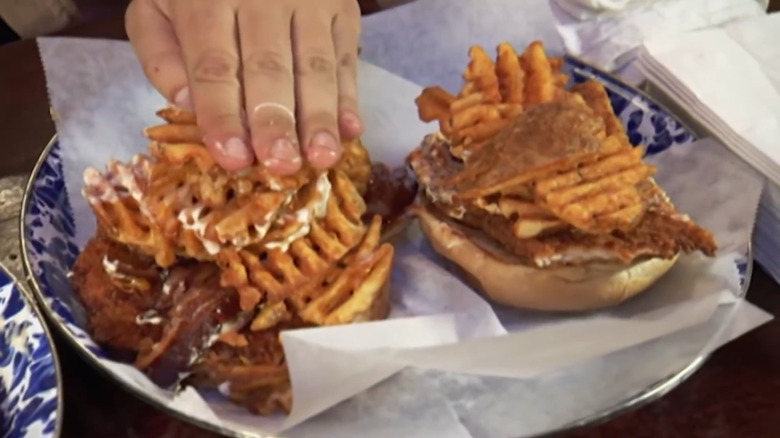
[318, 64]
[268, 63]
[348, 60]
[225, 119]
[319, 120]
[347, 102]
[215, 66]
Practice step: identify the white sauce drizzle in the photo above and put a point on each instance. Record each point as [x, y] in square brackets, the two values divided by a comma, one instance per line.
[190, 219]
[150, 317]
[274, 185]
[110, 266]
[317, 209]
[100, 188]
[96, 188]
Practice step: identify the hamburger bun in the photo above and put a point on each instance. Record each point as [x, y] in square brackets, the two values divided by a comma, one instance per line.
[506, 281]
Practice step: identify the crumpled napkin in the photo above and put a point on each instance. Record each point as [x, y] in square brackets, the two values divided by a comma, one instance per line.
[608, 32]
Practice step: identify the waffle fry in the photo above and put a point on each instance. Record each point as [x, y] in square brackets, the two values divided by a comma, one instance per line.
[480, 75]
[187, 133]
[275, 270]
[529, 219]
[356, 290]
[434, 104]
[174, 114]
[116, 199]
[355, 163]
[511, 77]
[493, 94]
[595, 97]
[595, 195]
[600, 196]
[541, 86]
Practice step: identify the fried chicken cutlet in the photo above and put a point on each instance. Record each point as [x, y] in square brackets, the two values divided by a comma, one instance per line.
[116, 286]
[174, 323]
[661, 232]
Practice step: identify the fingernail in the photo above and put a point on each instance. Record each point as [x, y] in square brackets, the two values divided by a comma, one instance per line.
[182, 99]
[352, 121]
[283, 150]
[236, 149]
[325, 140]
[324, 150]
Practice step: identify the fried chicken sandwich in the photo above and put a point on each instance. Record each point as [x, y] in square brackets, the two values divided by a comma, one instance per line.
[535, 193]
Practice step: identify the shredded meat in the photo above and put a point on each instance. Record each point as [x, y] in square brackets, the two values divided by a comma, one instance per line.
[194, 319]
[389, 193]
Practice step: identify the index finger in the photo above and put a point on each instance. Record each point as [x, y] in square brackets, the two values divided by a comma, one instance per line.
[206, 30]
[154, 41]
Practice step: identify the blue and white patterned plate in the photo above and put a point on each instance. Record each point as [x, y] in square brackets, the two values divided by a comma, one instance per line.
[30, 384]
[49, 226]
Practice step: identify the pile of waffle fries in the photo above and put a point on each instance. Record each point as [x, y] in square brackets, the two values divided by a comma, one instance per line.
[296, 249]
[493, 94]
[596, 190]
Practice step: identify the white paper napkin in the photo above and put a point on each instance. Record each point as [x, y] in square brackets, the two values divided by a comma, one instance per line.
[607, 32]
[729, 79]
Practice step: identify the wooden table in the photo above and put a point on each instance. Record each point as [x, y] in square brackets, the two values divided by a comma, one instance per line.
[735, 394]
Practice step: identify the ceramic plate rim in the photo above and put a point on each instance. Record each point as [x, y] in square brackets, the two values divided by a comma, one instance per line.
[38, 313]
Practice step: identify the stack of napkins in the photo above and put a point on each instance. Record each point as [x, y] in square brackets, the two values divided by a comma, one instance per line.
[767, 232]
[728, 79]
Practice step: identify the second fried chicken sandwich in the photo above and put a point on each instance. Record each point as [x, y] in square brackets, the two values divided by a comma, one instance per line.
[554, 211]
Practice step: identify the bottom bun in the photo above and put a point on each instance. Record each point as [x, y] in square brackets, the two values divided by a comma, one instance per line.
[507, 282]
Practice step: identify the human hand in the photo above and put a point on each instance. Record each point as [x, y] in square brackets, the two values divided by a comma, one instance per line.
[272, 80]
